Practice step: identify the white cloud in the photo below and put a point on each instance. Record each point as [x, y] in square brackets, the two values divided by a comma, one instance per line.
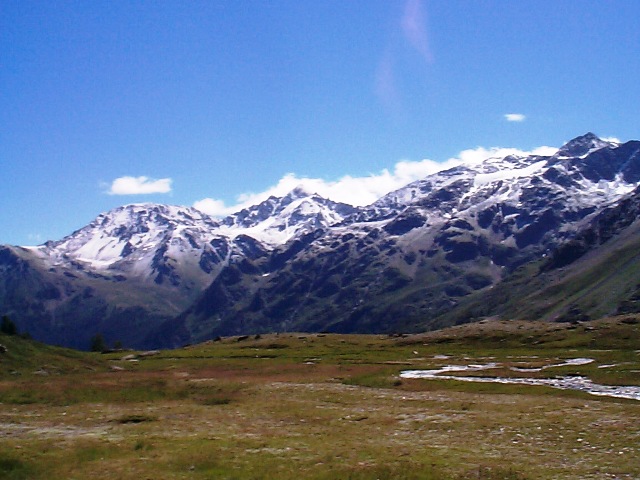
[515, 117]
[612, 139]
[544, 151]
[217, 208]
[363, 190]
[139, 186]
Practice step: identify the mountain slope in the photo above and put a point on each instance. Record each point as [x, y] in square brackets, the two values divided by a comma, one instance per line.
[410, 259]
[597, 273]
[139, 265]
[155, 275]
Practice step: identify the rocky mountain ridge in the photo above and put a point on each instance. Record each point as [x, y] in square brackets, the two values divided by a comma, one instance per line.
[173, 275]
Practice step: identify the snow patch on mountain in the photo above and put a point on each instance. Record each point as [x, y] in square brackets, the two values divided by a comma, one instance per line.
[508, 173]
[277, 220]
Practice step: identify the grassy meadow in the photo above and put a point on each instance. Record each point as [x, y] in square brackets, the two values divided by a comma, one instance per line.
[314, 406]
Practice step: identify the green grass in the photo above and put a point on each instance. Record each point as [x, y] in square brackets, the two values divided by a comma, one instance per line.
[12, 468]
[27, 357]
[294, 406]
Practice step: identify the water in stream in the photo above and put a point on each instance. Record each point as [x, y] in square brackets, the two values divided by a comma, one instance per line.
[572, 382]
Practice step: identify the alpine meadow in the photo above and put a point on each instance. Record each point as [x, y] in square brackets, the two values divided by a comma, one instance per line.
[323, 240]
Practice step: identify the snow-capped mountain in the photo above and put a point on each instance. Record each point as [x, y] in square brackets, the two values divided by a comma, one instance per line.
[583, 145]
[591, 180]
[144, 261]
[515, 200]
[302, 262]
[277, 220]
[417, 253]
[139, 240]
[164, 242]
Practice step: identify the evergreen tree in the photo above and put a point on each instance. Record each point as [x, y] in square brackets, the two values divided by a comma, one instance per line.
[97, 343]
[7, 326]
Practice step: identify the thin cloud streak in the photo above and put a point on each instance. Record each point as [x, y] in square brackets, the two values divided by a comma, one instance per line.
[139, 186]
[361, 191]
[414, 27]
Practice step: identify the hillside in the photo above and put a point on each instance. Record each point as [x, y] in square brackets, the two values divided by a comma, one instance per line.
[23, 358]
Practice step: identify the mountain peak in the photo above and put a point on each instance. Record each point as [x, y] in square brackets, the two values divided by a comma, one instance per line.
[300, 192]
[582, 145]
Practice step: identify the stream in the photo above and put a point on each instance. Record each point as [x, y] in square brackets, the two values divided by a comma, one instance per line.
[570, 382]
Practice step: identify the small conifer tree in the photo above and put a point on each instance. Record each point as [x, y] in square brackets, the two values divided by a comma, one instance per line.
[7, 326]
[97, 343]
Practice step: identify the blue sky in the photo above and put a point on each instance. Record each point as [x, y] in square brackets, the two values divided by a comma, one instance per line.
[219, 103]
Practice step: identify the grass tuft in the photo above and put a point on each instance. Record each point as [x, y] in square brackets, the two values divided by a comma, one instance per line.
[13, 468]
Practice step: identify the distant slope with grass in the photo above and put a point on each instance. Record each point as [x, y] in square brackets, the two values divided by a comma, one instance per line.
[21, 357]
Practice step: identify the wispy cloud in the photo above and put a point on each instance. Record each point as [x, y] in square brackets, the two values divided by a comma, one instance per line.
[363, 190]
[515, 117]
[139, 186]
[414, 28]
